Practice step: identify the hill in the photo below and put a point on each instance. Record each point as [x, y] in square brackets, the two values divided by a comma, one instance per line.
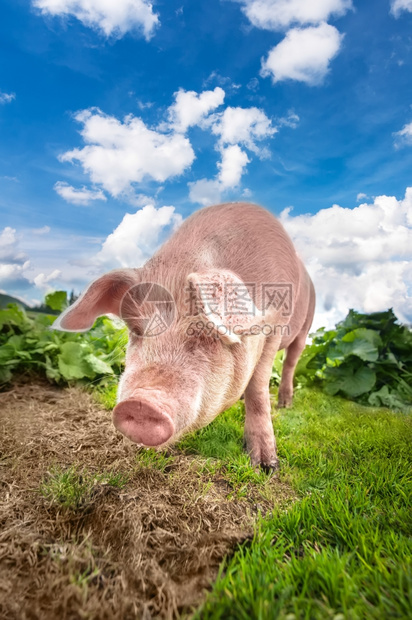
[8, 299]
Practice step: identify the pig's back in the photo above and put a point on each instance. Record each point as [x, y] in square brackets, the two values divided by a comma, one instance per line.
[242, 237]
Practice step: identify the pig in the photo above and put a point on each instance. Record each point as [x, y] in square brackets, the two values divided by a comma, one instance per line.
[222, 295]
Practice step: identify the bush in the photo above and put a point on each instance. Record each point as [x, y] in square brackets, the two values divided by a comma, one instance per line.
[367, 358]
[28, 342]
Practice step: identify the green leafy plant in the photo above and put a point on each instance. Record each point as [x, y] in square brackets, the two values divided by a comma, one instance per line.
[367, 357]
[29, 343]
[56, 300]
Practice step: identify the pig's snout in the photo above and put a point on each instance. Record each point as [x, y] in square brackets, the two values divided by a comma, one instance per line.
[143, 422]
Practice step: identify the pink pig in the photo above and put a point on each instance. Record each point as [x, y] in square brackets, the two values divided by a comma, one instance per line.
[206, 317]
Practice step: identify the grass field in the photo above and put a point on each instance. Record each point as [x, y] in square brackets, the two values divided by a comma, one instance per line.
[344, 550]
[93, 528]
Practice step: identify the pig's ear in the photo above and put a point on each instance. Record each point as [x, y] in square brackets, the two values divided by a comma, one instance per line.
[223, 299]
[103, 296]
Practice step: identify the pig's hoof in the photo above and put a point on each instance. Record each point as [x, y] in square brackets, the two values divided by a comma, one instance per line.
[270, 468]
[284, 402]
[261, 458]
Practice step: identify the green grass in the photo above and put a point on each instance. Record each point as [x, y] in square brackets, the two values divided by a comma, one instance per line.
[344, 550]
[221, 443]
[106, 394]
[151, 459]
[220, 440]
[72, 488]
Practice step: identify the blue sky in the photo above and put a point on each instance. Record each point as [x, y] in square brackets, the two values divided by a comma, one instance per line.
[119, 119]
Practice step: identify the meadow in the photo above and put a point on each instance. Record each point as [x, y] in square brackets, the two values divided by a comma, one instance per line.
[93, 527]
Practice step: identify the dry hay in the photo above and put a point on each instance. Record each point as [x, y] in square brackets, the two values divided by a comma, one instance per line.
[148, 550]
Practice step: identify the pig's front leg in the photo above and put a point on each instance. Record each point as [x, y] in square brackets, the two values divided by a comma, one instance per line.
[260, 439]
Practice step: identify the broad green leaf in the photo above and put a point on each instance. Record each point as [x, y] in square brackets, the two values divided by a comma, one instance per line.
[7, 354]
[391, 359]
[97, 365]
[51, 346]
[16, 342]
[386, 398]
[52, 372]
[5, 374]
[311, 360]
[56, 300]
[26, 341]
[72, 362]
[351, 383]
[376, 399]
[14, 315]
[362, 342]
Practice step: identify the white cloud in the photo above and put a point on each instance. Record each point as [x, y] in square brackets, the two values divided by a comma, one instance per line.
[303, 55]
[109, 17]
[78, 196]
[234, 160]
[14, 262]
[137, 237]
[226, 82]
[359, 258]
[67, 261]
[280, 14]
[63, 251]
[190, 108]
[404, 136]
[397, 6]
[41, 231]
[118, 154]
[361, 196]
[6, 97]
[205, 192]
[291, 120]
[235, 127]
[43, 281]
[142, 105]
[231, 168]
[9, 250]
[253, 84]
[49, 258]
[13, 275]
[141, 200]
[242, 126]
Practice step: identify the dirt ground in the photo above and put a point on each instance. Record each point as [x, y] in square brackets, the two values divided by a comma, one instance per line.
[147, 550]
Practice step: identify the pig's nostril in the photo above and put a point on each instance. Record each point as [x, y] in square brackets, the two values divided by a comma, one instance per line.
[142, 422]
